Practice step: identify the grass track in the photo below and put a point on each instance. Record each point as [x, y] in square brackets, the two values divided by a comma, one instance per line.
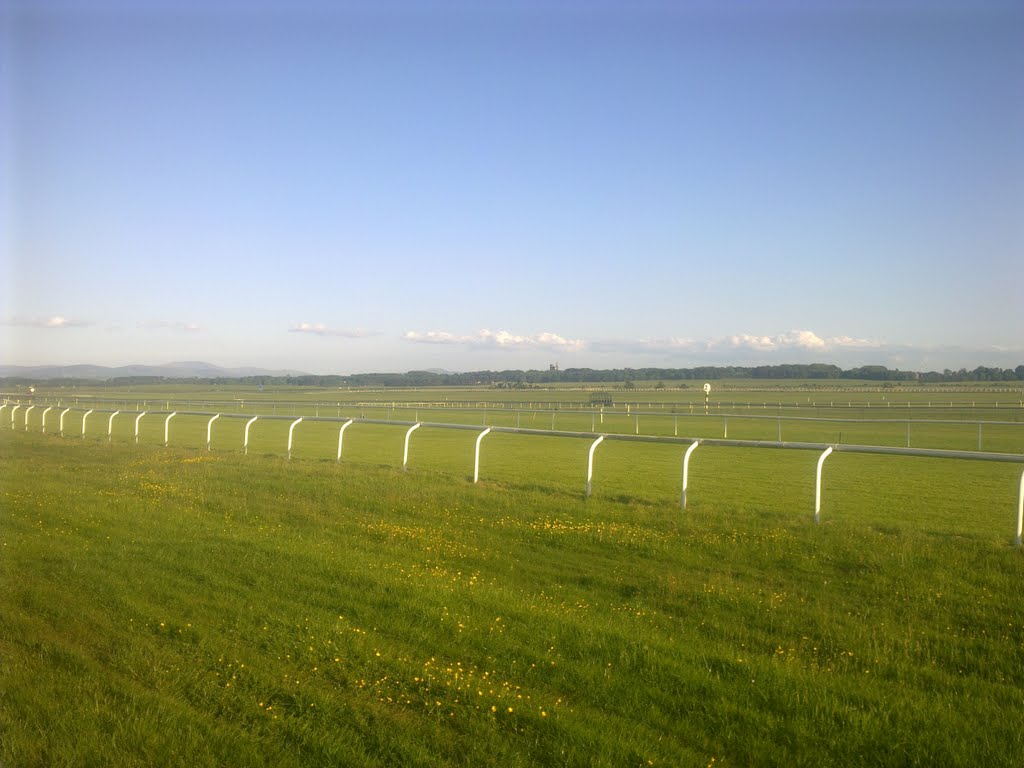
[172, 607]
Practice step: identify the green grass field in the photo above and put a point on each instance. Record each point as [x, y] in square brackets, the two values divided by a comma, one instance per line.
[764, 393]
[987, 419]
[178, 607]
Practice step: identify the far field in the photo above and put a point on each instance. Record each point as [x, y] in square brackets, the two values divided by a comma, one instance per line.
[177, 606]
[953, 417]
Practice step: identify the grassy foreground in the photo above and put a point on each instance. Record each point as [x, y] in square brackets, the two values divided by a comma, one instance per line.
[169, 607]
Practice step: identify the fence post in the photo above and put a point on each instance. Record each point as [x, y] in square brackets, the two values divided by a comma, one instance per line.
[291, 429]
[83, 422]
[686, 471]
[209, 427]
[27, 412]
[110, 426]
[341, 434]
[14, 410]
[137, 420]
[476, 455]
[590, 462]
[245, 441]
[62, 421]
[405, 453]
[50, 408]
[1020, 510]
[817, 484]
[167, 427]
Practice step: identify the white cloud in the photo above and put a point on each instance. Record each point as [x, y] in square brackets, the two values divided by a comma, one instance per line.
[794, 340]
[743, 349]
[849, 341]
[742, 345]
[554, 340]
[436, 337]
[498, 339]
[53, 321]
[746, 341]
[319, 329]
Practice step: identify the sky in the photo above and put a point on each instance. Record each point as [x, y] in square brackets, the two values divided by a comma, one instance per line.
[343, 187]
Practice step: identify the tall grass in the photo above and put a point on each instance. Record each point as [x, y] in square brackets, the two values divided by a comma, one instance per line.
[174, 607]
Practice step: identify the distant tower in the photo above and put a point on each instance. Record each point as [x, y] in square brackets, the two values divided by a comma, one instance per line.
[553, 367]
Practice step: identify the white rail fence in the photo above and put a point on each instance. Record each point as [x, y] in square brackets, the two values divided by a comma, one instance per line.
[824, 450]
[1013, 401]
[648, 418]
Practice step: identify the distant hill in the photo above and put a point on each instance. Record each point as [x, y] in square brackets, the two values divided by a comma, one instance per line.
[181, 370]
[819, 374]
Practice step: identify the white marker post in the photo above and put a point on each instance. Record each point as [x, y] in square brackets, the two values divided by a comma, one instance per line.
[405, 453]
[14, 410]
[110, 426]
[817, 484]
[341, 435]
[686, 471]
[44, 418]
[590, 462]
[167, 428]
[209, 426]
[62, 415]
[476, 455]
[245, 441]
[707, 395]
[86, 416]
[137, 420]
[29, 410]
[1020, 510]
[291, 429]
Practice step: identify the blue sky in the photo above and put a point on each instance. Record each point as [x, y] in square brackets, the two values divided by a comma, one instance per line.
[386, 186]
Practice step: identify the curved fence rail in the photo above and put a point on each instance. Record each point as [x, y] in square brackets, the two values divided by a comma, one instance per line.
[995, 427]
[1010, 398]
[822, 449]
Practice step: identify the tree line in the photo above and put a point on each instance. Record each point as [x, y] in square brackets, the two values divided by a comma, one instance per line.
[534, 378]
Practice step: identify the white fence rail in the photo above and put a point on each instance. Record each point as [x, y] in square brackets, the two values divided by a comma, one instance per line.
[691, 444]
[1011, 399]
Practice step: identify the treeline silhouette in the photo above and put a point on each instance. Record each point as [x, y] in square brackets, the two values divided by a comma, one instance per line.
[516, 379]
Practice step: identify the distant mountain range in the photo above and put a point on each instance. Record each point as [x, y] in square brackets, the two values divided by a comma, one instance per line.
[182, 370]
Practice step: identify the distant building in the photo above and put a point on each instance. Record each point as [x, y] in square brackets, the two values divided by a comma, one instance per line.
[553, 367]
